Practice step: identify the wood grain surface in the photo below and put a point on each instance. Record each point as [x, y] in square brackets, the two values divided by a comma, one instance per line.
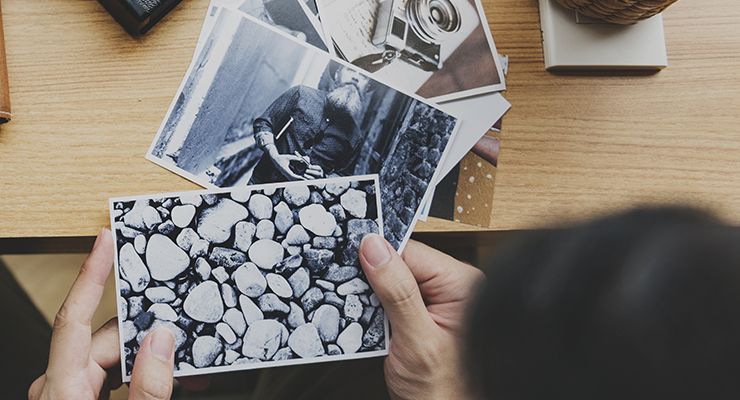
[88, 99]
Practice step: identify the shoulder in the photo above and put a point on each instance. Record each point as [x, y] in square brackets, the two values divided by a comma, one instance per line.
[305, 92]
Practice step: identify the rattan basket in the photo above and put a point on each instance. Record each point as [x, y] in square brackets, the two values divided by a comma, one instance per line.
[618, 11]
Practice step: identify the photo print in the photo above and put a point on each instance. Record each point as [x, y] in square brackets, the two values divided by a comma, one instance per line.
[259, 107]
[250, 278]
[440, 49]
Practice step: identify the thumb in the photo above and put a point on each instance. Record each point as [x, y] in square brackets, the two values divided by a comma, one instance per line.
[395, 286]
[153, 368]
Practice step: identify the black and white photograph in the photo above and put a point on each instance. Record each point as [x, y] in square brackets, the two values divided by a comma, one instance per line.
[250, 278]
[259, 107]
[442, 50]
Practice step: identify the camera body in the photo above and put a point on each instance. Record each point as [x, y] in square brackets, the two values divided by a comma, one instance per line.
[138, 16]
[417, 31]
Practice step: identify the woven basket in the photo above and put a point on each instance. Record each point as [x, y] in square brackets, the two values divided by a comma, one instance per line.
[618, 11]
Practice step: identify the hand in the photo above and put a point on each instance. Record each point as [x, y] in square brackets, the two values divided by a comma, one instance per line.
[282, 163]
[78, 360]
[425, 295]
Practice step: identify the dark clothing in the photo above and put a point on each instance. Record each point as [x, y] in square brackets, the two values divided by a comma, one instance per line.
[329, 137]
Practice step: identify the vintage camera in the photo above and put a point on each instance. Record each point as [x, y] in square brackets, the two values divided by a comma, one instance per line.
[138, 16]
[416, 33]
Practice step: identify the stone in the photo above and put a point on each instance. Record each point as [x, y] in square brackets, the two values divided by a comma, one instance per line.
[225, 331]
[165, 259]
[227, 258]
[249, 280]
[324, 242]
[311, 299]
[129, 233]
[299, 282]
[182, 216]
[297, 236]
[305, 341]
[163, 312]
[283, 354]
[263, 338]
[135, 306]
[296, 195]
[292, 262]
[338, 212]
[144, 320]
[337, 274]
[316, 198]
[283, 217]
[375, 331]
[205, 351]
[204, 303]
[236, 321]
[326, 319]
[123, 308]
[125, 288]
[318, 260]
[265, 230]
[210, 198]
[215, 223]
[374, 301]
[279, 285]
[194, 199]
[250, 311]
[243, 235]
[357, 229]
[316, 219]
[199, 248]
[336, 188]
[160, 294]
[355, 202]
[260, 206]
[203, 268]
[270, 303]
[163, 212]
[325, 285]
[353, 307]
[266, 253]
[333, 350]
[241, 195]
[350, 340]
[166, 227]
[229, 295]
[140, 244]
[133, 269]
[333, 299]
[355, 286]
[293, 250]
[142, 216]
[220, 274]
[186, 238]
[296, 316]
[128, 331]
[230, 356]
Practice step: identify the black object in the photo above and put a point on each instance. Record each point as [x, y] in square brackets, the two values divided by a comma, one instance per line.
[138, 16]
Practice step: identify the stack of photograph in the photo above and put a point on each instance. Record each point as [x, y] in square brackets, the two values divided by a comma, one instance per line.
[310, 124]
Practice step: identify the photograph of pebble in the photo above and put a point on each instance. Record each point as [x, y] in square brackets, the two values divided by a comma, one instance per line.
[258, 277]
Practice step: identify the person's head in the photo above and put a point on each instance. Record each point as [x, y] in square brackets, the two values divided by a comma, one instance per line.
[348, 89]
[640, 305]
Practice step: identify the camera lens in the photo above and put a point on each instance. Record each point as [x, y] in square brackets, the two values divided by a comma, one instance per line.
[431, 20]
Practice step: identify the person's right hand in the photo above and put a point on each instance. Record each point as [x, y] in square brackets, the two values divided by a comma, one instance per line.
[282, 164]
[425, 295]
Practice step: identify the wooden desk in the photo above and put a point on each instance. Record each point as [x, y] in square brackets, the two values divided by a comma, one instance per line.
[88, 98]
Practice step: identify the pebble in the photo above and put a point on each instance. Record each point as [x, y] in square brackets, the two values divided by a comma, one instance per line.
[165, 259]
[355, 202]
[324, 285]
[355, 286]
[283, 354]
[338, 212]
[375, 331]
[205, 351]
[160, 294]
[144, 320]
[316, 219]
[297, 236]
[140, 244]
[270, 303]
[263, 338]
[182, 216]
[265, 229]
[236, 321]
[204, 303]
[230, 356]
[311, 299]
[228, 258]
[299, 281]
[350, 340]
[215, 223]
[353, 307]
[243, 235]
[374, 301]
[337, 188]
[292, 262]
[250, 311]
[193, 199]
[333, 350]
[142, 216]
[226, 332]
[260, 206]
[249, 280]
[338, 274]
[324, 242]
[220, 274]
[283, 217]
[166, 227]
[241, 195]
[186, 238]
[266, 253]
[296, 317]
[128, 331]
[126, 232]
[123, 308]
[135, 306]
[229, 295]
[333, 299]
[203, 268]
[297, 195]
[279, 285]
[326, 319]
[132, 269]
[318, 260]
[305, 341]
[163, 312]
[199, 248]
[125, 287]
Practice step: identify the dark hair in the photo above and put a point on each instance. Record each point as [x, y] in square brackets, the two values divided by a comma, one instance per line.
[643, 305]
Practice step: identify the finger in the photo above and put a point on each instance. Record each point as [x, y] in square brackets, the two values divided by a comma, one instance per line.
[105, 349]
[395, 287]
[70, 340]
[153, 368]
[34, 392]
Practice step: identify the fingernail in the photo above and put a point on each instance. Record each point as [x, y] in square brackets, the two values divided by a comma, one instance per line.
[163, 344]
[103, 232]
[375, 250]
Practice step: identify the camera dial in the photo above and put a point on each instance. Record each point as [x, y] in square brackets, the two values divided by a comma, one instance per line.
[432, 20]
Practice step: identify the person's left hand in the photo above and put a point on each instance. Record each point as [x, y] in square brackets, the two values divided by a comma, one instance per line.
[78, 360]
